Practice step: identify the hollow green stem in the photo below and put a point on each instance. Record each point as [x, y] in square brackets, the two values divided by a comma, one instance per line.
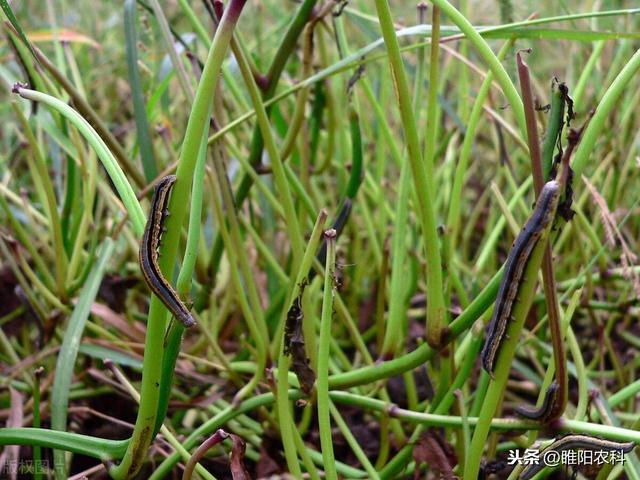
[508, 345]
[106, 157]
[554, 128]
[284, 410]
[152, 368]
[324, 404]
[422, 172]
[488, 56]
[596, 125]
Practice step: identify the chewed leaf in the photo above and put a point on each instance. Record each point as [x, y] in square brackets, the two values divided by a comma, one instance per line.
[433, 450]
[294, 346]
[238, 470]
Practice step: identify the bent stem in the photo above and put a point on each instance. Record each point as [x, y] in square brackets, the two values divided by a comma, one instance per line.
[502, 77]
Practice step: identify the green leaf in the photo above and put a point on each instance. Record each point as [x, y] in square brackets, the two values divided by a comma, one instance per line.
[69, 350]
[104, 353]
[142, 124]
